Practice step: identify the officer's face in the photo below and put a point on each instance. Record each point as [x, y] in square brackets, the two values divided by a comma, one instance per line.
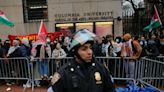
[85, 52]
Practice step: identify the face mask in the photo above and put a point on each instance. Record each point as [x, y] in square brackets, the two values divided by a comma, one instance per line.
[117, 40]
[141, 43]
[48, 42]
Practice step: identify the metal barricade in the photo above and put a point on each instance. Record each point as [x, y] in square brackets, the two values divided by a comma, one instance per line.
[15, 69]
[143, 70]
[121, 68]
[158, 58]
[151, 73]
[146, 71]
[40, 68]
[117, 66]
[55, 64]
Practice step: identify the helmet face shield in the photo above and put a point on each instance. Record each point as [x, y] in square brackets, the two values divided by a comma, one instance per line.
[81, 37]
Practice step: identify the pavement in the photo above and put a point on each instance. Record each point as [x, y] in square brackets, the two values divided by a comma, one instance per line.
[16, 88]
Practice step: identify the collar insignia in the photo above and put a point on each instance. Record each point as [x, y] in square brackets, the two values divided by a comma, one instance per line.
[55, 78]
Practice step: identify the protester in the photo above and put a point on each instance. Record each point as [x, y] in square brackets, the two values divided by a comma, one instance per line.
[161, 48]
[14, 51]
[151, 50]
[6, 46]
[113, 48]
[132, 50]
[58, 53]
[143, 42]
[42, 61]
[97, 47]
[25, 48]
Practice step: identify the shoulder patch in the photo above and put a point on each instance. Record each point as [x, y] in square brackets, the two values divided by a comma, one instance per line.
[55, 78]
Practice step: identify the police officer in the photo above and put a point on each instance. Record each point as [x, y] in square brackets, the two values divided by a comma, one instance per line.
[84, 73]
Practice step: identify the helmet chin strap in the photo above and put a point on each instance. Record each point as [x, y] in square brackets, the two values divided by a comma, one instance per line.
[81, 60]
[79, 57]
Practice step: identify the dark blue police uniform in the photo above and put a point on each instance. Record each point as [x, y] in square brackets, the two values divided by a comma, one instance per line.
[86, 77]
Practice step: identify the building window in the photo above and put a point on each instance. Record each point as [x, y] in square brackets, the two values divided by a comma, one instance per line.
[101, 29]
[88, 25]
[35, 10]
[66, 29]
[104, 28]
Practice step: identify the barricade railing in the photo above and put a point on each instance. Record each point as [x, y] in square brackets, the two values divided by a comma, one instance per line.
[46, 66]
[119, 67]
[151, 72]
[116, 65]
[15, 69]
[145, 70]
[158, 58]
[53, 65]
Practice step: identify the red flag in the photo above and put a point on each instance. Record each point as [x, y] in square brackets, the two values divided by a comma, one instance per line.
[42, 34]
[156, 16]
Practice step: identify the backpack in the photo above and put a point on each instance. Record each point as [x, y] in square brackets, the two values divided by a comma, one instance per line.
[134, 49]
[111, 51]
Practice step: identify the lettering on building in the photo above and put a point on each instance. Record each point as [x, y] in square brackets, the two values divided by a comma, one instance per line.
[82, 17]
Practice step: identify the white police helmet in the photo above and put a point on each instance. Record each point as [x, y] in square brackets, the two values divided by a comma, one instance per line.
[81, 37]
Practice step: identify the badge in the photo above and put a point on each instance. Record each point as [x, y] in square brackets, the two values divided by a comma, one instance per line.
[55, 78]
[98, 78]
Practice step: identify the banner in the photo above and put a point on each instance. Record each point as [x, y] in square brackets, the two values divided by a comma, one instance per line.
[52, 36]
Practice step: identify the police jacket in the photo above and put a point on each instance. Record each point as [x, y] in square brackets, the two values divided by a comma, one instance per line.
[90, 77]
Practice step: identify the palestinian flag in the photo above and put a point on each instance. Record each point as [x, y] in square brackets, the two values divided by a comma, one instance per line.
[155, 21]
[4, 20]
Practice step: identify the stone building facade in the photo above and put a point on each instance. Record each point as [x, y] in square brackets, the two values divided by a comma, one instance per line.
[92, 14]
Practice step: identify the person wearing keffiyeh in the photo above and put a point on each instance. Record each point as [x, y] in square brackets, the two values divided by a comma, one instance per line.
[133, 54]
[42, 53]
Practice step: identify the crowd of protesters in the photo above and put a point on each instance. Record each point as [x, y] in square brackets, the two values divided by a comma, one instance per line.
[107, 46]
[104, 46]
